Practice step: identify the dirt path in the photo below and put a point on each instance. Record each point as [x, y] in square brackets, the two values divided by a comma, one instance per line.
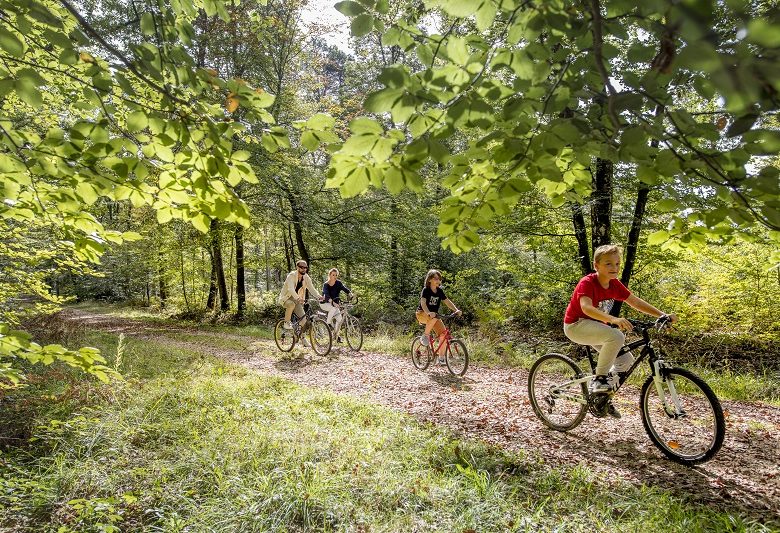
[492, 404]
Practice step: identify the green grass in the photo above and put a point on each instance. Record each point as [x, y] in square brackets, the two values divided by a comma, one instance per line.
[191, 443]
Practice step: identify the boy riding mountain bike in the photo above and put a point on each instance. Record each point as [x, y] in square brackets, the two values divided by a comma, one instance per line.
[587, 319]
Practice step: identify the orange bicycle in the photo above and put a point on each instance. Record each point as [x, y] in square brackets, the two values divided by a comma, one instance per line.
[456, 356]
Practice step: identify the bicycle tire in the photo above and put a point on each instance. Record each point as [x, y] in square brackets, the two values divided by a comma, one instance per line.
[320, 337]
[457, 357]
[353, 333]
[683, 439]
[421, 355]
[284, 338]
[544, 399]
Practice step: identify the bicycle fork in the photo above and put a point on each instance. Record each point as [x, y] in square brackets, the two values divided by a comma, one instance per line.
[672, 406]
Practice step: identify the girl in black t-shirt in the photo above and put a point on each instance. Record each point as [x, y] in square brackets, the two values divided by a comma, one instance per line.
[431, 298]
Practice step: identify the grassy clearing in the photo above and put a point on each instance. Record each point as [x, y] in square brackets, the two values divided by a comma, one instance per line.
[189, 443]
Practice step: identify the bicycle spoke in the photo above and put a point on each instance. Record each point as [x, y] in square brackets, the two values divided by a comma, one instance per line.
[556, 397]
[682, 416]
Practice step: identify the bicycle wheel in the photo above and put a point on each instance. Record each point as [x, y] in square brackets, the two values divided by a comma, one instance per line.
[457, 358]
[285, 338]
[353, 332]
[685, 421]
[320, 337]
[421, 355]
[556, 397]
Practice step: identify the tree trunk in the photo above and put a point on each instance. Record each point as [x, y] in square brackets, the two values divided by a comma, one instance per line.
[212, 298]
[601, 212]
[240, 287]
[633, 242]
[581, 234]
[161, 275]
[216, 258]
[183, 278]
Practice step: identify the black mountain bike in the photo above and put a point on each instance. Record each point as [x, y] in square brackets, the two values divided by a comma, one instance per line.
[681, 414]
[318, 330]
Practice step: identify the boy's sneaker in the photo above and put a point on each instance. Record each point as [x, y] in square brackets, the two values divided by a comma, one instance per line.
[339, 339]
[599, 385]
[612, 411]
[441, 360]
[305, 342]
[287, 325]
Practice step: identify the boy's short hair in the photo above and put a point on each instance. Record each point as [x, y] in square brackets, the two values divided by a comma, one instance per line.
[607, 249]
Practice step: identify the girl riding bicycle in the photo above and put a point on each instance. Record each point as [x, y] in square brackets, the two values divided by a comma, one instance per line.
[331, 300]
[587, 315]
[431, 299]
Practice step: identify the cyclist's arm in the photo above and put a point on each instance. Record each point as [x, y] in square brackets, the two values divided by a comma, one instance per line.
[586, 304]
[640, 305]
[449, 303]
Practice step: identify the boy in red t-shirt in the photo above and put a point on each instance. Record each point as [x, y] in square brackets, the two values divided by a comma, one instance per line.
[587, 315]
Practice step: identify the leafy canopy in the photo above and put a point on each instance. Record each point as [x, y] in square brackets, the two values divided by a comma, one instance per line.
[507, 95]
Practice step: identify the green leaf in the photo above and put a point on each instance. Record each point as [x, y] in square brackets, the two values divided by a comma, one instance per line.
[350, 8]
[486, 13]
[201, 222]
[29, 93]
[657, 238]
[147, 25]
[363, 125]
[362, 25]
[137, 121]
[457, 50]
[10, 42]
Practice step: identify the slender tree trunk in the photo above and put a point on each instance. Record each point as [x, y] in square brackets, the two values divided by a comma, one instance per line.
[240, 287]
[601, 212]
[183, 277]
[267, 265]
[216, 258]
[211, 301]
[161, 279]
[581, 234]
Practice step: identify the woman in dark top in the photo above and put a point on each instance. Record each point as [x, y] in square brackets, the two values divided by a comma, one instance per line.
[330, 293]
[431, 299]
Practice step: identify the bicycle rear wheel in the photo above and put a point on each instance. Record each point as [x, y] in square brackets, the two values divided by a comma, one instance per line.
[421, 355]
[285, 338]
[557, 399]
[353, 332]
[320, 337]
[457, 358]
[685, 420]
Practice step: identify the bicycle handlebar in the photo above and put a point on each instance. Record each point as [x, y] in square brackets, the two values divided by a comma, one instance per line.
[660, 323]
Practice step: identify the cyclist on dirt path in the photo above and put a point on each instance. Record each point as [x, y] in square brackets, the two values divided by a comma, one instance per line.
[331, 290]
[587, 316]
[431, 298]
[294, 292]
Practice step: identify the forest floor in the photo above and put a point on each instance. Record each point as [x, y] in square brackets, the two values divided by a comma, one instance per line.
[491, 404]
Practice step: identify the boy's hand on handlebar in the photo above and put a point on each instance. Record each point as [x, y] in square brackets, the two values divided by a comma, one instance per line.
[458, 312]
[431, 314]
[622, 323]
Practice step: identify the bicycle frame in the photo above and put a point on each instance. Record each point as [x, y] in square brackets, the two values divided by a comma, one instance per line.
[657, 366]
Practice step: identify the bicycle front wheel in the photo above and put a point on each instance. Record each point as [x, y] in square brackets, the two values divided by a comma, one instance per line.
[682, 416]
[285, 338]
[320, 337]
[421, 354]
[353, 332]
[457, 358]
[557, 397]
